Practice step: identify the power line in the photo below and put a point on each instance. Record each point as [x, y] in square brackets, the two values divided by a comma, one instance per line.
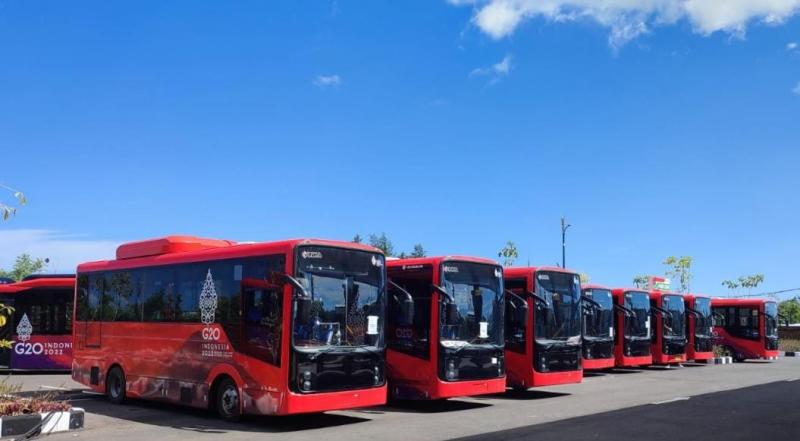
[770, 293]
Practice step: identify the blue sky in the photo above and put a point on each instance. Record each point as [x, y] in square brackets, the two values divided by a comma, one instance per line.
[459, 125]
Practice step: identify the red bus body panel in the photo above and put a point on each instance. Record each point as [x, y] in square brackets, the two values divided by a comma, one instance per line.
[39, 351]
[659, 357]
[161, 360]
[594, 364]
[417, 378]
[621, 360]
[749, 349]
[691, 352]
[519, 366]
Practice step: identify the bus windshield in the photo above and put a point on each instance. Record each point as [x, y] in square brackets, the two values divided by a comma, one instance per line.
[639, 325]
[347, 295]
[599, 323]
[771, 316]
[477, 291]
[560, 317]
[703, 324]
[675, 320]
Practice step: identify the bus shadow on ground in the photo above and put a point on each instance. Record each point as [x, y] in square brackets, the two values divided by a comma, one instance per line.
[430, 406]
[592, 374]
[202, 421]
[691, 364]
[623, 371]
[529, 394]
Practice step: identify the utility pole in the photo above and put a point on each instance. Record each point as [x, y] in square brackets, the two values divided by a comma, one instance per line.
[564, 227]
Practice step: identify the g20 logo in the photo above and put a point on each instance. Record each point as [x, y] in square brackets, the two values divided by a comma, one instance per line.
[28, 348]
[210, 333]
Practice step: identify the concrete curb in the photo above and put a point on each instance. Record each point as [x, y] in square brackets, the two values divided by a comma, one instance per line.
[790, 354]
[723, 360]
[48, 423]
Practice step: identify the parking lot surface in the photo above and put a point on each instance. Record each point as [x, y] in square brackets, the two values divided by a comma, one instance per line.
[633, 392]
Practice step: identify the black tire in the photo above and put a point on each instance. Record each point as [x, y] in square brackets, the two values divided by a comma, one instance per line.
[115, 385]
[227, 400]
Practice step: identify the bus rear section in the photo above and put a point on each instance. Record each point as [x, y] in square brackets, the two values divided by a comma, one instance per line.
[632, 324]
[668, 313]
[259, 328]
[445, 328]
[746, 328]
[598, 328]
[543, 345]
[700, 328]
[40, 327]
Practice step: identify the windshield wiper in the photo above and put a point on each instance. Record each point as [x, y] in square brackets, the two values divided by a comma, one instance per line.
[694, 312]
[591, 302]
[444, 292]
[625, 310]
[537, 297]
[661, 310]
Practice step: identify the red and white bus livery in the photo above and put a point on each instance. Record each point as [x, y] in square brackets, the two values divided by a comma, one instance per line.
[543, 345]
[747, 328]
[255, 328]
[700, 327]
[598, 327]
[669, 336]
[445, 327]
[40, 328]
[632, 324]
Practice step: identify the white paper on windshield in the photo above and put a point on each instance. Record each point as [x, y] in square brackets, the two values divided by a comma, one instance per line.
[647, 323]
[484, 331]
[611, 331]
[372, 324]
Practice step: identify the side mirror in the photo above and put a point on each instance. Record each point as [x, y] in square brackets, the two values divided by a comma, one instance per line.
[451, 316]
[303, 309]
[406, 311]
[522, 313]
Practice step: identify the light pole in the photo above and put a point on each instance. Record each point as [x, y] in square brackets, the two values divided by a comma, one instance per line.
[564, 227]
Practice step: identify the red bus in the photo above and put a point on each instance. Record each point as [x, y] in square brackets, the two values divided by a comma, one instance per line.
[41, 325]
[545, 348]
[254, 328]
[669, 336]
[632, 324]
[445, 327]
[746, 328]
[598, 327]
[700, 329]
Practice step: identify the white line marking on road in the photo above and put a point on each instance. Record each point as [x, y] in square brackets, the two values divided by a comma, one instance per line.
[52, 387]
[671, 400]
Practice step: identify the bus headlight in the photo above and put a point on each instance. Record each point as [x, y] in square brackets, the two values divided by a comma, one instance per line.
[377, 377]
[451, 373]
[305, 381]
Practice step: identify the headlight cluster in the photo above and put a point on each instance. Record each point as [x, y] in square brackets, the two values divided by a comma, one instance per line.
[451, 373]
[377, 377]
[305, 381]
[543, 365]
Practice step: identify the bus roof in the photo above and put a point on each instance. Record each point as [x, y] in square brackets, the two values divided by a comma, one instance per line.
[179, 249]
[526, 271]
[435, 260]
[48, 281]
[726, 301]
[595, 286]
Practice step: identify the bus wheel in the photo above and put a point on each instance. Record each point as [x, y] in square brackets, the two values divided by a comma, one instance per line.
[228, 400]
[115, 385]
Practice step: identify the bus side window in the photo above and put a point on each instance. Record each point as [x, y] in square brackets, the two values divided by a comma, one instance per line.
[413, 340]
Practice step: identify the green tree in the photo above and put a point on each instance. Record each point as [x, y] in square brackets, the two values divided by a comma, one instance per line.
[418, 251]
[746, 282]
[8, 210]
[640, 281]
[584, 278]
[790, 309]
[24, 266]
[382, 243]
[508, 253]
[357, 238]
[679, 269]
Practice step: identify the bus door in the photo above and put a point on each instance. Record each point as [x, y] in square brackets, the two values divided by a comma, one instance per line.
[261, 327]
[93, 330]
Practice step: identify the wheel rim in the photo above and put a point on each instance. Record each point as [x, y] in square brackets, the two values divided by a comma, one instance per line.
[229, 400]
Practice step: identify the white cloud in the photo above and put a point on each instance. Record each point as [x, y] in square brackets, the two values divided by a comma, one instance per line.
[495, 71]
[627, 19]
[791, 46]
[327, 81]
[64, 251]
[796, 89]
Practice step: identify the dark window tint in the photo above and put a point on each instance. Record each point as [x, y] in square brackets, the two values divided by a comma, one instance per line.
[120, 297]
[159, 296]
[49, 311]
[411, 339]
[516, 314]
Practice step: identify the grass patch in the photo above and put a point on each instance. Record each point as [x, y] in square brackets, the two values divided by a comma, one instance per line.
[786, 344]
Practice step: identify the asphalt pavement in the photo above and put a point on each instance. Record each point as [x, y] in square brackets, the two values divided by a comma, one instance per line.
[631, 392]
